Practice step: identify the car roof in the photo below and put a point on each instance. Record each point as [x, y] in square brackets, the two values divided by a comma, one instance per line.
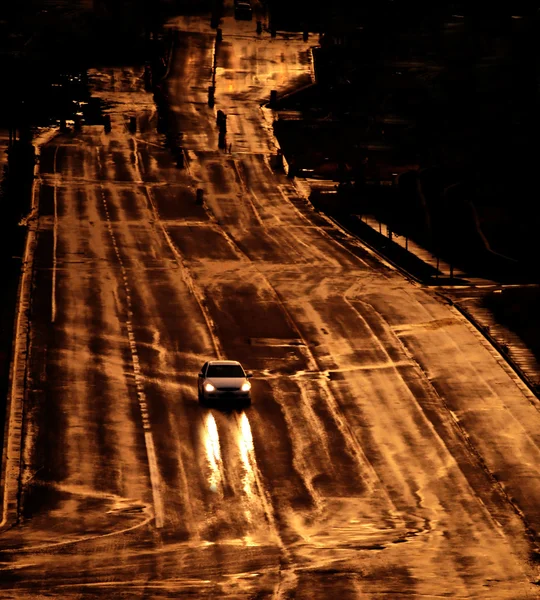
[223, 362]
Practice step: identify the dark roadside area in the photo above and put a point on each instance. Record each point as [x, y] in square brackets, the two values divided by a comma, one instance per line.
[15, 190]
[506, 314]
[428, 126]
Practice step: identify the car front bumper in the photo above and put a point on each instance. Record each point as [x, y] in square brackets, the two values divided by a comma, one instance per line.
[227, 396]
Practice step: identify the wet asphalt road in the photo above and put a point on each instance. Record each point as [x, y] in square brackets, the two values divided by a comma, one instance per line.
[389, 453]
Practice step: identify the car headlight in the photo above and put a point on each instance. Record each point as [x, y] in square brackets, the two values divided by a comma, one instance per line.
[209, 387]
[246, 386]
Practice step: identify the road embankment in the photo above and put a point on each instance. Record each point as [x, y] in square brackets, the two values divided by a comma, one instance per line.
[17, 163]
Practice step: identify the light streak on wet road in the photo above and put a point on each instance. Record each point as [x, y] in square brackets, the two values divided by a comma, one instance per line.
[213, 453]
[245, 443]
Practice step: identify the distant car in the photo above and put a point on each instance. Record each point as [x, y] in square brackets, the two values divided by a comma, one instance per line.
[224, 382]
[243, 11]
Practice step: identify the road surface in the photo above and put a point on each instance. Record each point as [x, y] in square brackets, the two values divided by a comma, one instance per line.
[390, 452]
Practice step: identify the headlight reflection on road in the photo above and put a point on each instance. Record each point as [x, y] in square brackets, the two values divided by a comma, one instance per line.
[245, 443]
[213, 452]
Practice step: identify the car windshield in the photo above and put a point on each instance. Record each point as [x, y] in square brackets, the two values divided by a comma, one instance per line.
[225, 371]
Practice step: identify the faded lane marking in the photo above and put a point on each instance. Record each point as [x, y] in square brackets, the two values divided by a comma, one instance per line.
[155, 479]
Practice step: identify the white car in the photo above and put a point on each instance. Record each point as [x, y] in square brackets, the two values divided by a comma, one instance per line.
[224, 381]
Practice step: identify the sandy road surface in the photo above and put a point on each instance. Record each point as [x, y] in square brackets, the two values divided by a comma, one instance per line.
[389, 451]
